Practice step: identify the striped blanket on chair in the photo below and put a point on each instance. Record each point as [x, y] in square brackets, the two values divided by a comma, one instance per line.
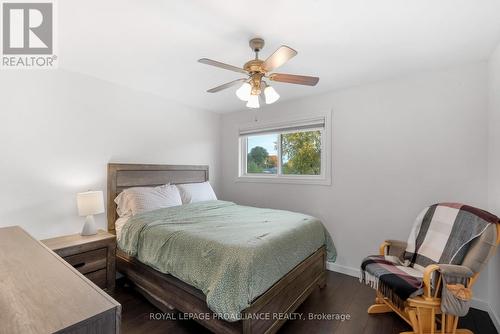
[442, 233]
[391, 278]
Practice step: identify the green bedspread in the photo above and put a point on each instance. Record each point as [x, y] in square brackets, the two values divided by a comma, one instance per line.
[232, 253]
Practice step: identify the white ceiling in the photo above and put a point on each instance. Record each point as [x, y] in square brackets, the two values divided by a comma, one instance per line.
[154, 45]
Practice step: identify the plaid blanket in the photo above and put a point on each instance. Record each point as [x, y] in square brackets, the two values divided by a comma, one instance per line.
[390, 277]
[442, 233]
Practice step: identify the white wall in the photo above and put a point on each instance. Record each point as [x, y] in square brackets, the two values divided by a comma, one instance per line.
[494, 173]
[398, 146]
[58, 131]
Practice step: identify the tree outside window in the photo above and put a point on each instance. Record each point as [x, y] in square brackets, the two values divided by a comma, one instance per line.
[300, 153]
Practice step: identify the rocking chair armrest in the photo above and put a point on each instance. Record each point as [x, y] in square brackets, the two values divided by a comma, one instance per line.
[455, 270]
[443, 269]
[393, 247]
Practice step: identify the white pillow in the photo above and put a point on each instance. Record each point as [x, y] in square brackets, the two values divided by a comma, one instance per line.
[135, 200]
[196, 192]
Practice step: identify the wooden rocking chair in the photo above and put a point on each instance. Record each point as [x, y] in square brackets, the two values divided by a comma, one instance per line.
[423, 313]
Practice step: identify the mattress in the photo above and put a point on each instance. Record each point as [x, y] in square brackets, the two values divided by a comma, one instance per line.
[232, 253]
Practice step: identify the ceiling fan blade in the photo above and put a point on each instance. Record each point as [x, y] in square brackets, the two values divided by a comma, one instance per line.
[279, 57]
[226, 85]
[294, 79]
[221, 65]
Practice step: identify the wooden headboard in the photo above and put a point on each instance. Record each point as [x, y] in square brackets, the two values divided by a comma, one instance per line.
[122, 176]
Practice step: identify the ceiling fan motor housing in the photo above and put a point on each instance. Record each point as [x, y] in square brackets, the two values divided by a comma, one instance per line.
[254, 66]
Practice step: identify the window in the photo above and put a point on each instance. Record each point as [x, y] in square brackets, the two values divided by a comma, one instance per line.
[262, 154]
[294, 152]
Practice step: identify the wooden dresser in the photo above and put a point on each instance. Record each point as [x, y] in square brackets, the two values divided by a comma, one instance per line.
[42, 293]
[92, 255]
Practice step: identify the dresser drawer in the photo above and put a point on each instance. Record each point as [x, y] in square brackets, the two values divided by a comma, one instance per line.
[98, 277]
[88, 261]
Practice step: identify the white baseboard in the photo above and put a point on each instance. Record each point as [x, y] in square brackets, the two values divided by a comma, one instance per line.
[480, 304]
[342, 269]
[476, 303]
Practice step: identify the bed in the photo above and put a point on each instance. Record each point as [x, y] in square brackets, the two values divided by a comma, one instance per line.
[264, 314]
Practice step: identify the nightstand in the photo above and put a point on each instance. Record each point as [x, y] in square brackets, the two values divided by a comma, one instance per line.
[92, 255]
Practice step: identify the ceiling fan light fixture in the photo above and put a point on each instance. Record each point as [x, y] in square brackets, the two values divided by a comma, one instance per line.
[244, 92]
[271, 95]
[253, 102]
[256, 70]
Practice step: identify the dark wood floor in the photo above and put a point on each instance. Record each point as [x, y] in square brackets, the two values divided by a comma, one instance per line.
[343, 294]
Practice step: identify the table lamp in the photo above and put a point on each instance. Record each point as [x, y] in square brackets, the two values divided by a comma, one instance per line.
[89, 204]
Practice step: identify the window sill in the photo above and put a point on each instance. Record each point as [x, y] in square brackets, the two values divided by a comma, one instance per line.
[285, 180]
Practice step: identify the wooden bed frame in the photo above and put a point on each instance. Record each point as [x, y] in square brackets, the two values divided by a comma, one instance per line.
[266, 314]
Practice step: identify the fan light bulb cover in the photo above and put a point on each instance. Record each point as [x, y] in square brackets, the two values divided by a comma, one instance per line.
[244, 92]
[271, 95]
[253, 101]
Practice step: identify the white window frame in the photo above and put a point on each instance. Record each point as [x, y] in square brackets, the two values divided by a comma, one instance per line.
[326, 138]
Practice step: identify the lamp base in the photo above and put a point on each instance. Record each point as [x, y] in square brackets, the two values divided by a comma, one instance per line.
[89, 228]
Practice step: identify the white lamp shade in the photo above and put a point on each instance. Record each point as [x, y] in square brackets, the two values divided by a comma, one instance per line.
[243, 93]
[90, 203]
[253, 101]
[271, 95]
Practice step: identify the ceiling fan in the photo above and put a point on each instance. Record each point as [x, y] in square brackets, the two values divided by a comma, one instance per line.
[257, 70]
